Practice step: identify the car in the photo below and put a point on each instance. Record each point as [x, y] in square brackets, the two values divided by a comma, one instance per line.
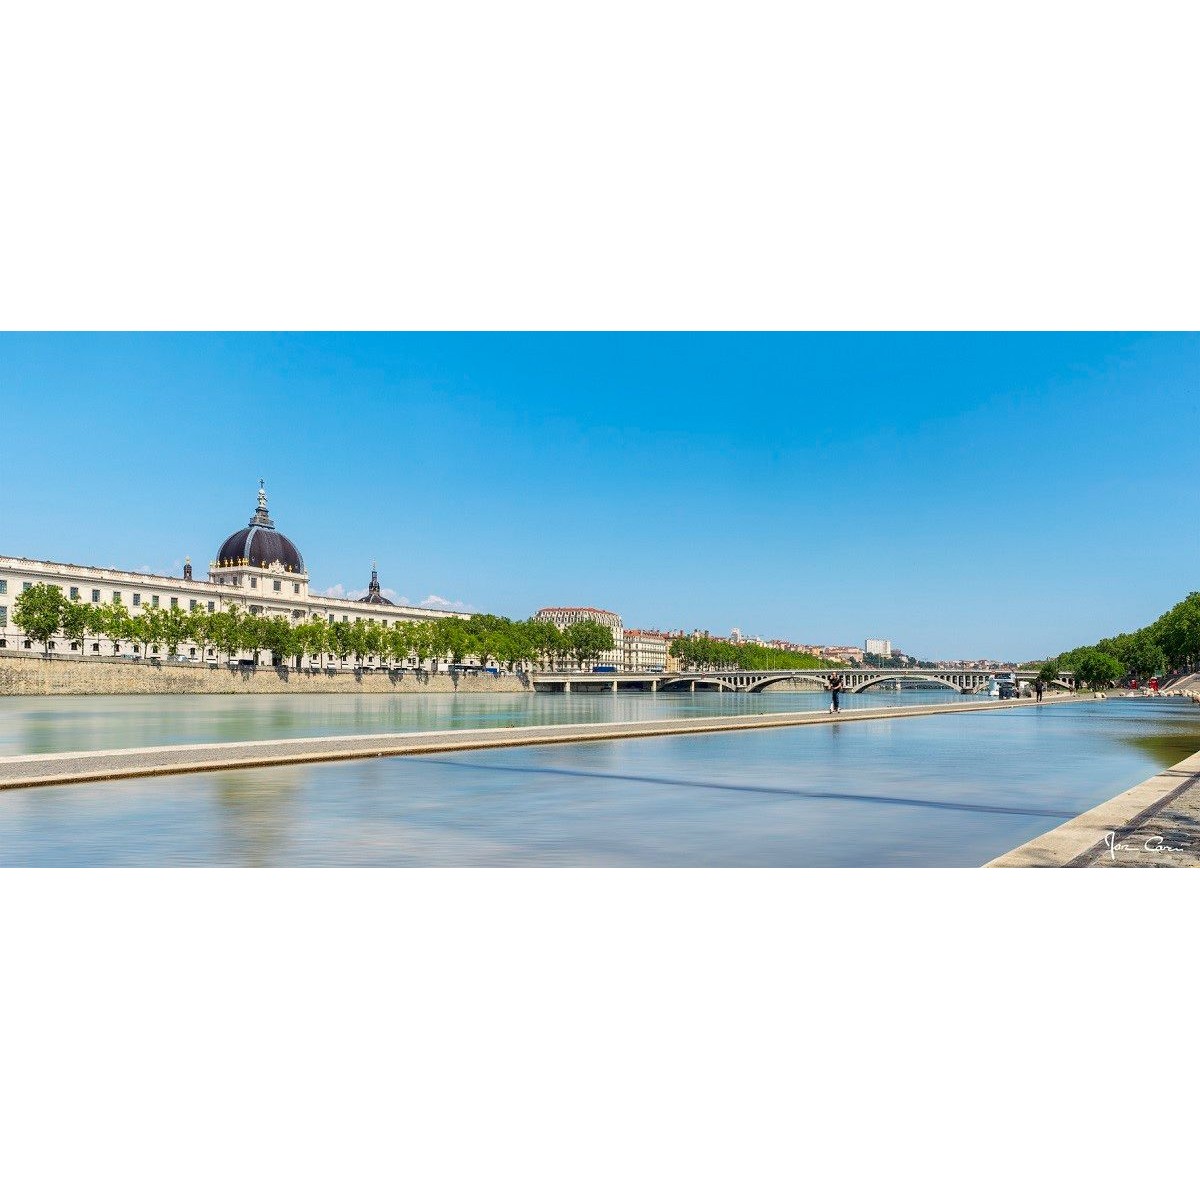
[1010, 691]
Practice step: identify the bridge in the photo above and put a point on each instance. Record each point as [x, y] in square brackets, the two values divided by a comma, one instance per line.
[854, 679]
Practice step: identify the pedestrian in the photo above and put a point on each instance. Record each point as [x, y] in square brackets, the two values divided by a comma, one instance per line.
[1039, 687]
[835, 691]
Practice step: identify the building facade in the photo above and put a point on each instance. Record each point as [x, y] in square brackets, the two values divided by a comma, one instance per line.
[564, 618]
[880, 646]
[645, 650]
[257, 569]
[849, 654]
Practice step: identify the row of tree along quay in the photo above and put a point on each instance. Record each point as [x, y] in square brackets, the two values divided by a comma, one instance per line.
[708, 654]
[44, 613]
[1168, 645]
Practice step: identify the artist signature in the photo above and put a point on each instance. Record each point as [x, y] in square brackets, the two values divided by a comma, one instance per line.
[1152, 845]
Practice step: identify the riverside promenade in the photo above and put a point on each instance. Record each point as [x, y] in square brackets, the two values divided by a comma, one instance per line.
[1154, 824]
[31, 770]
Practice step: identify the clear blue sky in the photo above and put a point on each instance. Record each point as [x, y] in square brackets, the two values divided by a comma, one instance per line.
[1001, 495]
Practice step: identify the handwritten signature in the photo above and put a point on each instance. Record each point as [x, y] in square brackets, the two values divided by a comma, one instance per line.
[1152, 845]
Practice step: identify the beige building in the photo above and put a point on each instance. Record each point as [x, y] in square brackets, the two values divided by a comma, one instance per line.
[257, 568]
[843, 653]
[646, 650]
[564, 618]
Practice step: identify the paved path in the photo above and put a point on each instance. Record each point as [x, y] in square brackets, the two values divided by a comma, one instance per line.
[29, 770]
[1155, 824]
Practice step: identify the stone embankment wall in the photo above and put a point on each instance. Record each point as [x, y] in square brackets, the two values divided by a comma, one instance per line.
[21, 676]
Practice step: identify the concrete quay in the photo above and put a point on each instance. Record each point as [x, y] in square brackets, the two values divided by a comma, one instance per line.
[1154, 824]
[32, 770]
[23, 674]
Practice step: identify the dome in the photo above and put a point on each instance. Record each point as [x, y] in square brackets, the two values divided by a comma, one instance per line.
[260, 544]
[374, 595]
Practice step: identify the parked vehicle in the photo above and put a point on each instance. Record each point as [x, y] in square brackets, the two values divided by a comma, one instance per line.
[604, 670]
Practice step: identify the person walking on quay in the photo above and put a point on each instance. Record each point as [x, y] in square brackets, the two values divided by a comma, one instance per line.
[1038, 688]
[835, 691]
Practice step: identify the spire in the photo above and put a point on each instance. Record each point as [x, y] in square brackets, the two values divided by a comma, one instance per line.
[373, 590]
[261, 516]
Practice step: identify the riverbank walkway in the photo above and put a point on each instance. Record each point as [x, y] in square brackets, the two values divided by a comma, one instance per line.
[35, 770]
[1155, 824]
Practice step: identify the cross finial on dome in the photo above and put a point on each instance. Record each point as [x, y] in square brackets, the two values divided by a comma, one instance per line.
[261, 516]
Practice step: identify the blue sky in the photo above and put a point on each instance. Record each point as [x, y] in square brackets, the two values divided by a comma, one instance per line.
[1001, 495]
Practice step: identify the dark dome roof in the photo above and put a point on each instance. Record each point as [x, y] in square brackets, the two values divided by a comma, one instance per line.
[374, 595]
[260, 544]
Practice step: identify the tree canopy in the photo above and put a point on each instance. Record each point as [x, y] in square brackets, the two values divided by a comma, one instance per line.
[704, 653]
[1171, 643]
[39, 611]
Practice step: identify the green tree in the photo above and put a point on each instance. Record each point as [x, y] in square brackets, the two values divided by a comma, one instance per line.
[225, 629]
[117, 624]
[400, 641]
[153, 629]
[39, 612]
[199, 631]
[588, 640]
[175, 628]
[314, 638]
[341, 639]
[547, 642]
[420, 639]
[1143, 656]
[279, 637]
[441, 642]
[373, 640]
[75, 617]
[1093, 668]
[1048, 672]
[97, 624]
[1178, 632]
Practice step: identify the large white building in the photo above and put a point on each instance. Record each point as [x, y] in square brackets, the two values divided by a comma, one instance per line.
[257, 568]
[880, 646]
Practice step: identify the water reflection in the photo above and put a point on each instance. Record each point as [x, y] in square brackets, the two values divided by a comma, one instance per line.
[46, 725]
[256, 813]
[938, 791]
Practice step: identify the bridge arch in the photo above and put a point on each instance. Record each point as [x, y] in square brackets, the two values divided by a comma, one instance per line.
[884, 679]
[761, 685]
[682, 683]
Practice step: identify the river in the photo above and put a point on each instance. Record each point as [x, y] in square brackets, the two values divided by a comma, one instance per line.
[950, 790]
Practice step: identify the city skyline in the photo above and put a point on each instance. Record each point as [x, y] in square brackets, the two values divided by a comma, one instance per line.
[961, 491]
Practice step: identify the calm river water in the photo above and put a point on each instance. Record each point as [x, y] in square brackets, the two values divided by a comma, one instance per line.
[951, 790]
[46, 724]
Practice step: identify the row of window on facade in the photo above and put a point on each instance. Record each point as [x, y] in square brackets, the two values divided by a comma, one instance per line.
[412, 661]
[277, 584]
